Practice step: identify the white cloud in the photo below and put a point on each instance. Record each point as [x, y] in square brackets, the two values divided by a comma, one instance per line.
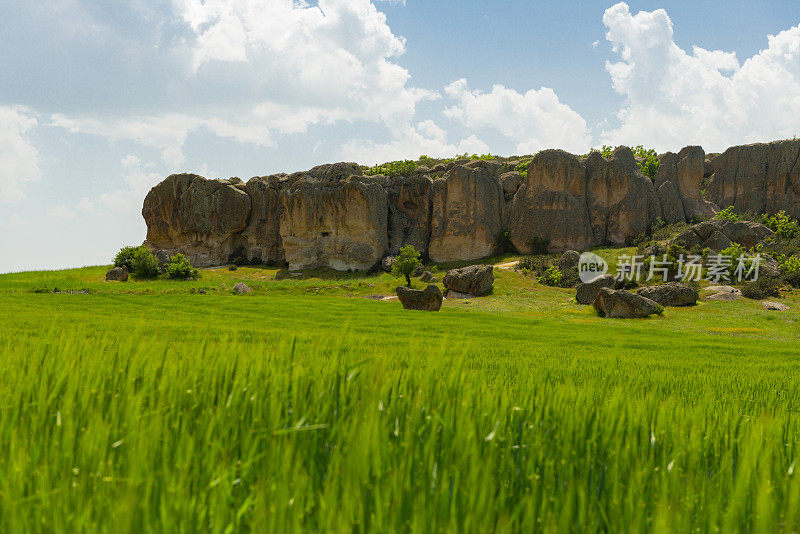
[19, 159]
[138, 180]
[425, 138]
[534, 120]
[61, 213]
[673, 98]
[85, 205]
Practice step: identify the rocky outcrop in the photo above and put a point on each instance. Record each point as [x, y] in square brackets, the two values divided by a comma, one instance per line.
[587, 292]
[428, 299]
[624, 305]
[717, 235]
[203, 219]
[758, 178]
[334, 216]
[474, 280]
[467, 213]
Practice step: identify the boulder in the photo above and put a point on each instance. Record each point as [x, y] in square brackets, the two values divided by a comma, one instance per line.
[387, 263]
[241, 288]
[428, 299]
[449, 294]
[467, 214]
[587, 292]
[200, 218]
[774, 306]
[718, 234]
[568, 260]
[551, 205]
[334, 217]
[670, 294]
[117, 274]
[757, 178]
[624, 304]
[723, 293]
[475, 280]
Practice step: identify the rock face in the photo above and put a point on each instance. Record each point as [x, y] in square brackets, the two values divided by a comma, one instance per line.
[719, 234]
[428, 299]
[624, 304]
[587, 292]
[117, 274]
[670, 294]
[467, 214]
[203, 219]
[758, 178]
[334, 216]
[475, 280]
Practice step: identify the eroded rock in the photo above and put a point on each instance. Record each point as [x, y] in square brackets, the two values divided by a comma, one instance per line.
[624, 304]
[428, 299]
[475, 280]
[670, 294]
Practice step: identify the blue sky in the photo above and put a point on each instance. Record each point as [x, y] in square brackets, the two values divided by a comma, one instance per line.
[101, 100]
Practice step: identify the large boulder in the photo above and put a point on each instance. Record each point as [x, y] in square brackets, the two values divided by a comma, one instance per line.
[622, 202]
[117, 274]
[200, 218]
[428, 299]
[262, 237]
[670, 294]
[624, 304]
[569, 260]
[335, 217]
[551, 205]
[587, 292]
[757, 178]
[467, 214]
[474, 280]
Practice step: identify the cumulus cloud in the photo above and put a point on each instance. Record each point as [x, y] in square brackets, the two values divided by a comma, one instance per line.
[19, 159]
[534, 120]
[413, 141]
[674, 98]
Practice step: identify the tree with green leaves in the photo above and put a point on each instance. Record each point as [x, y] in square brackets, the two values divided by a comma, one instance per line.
[406, 262]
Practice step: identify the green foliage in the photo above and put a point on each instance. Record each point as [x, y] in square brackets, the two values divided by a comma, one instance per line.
[522, 167]
[551, 277]
[127, 256]
[606, 151]
[139, 261]
[502, 242]
[727, 214]
[650, 162]
[179, 268]
[393, 168]
[790, 271]
[405, 263]
[784, 226]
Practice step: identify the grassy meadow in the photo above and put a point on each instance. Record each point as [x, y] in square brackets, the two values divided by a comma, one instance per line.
[304, 406]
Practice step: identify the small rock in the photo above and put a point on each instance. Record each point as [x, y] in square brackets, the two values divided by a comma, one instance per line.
[723, 293]
[418, 271]
[201, 291]
[117, 274]
[241, 288]
[774, 306]
[387, 263]
[427, 276]
[451, 294]
[232, 267]
[428, 299]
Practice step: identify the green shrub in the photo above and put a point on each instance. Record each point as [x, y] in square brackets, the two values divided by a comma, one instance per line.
[405, 263]
[551, 277]
[650, 162]
[522, 167]
[727, 214]
[393, 168]
[570, 278]
[179, 268]
[138, 260]
[125, 257]
[765, 286]
[784, 226]
[790, 271]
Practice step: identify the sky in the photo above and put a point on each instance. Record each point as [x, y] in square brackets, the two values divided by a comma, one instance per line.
[101, 100]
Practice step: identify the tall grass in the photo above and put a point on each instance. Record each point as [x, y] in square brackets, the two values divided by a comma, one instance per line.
[268, 415]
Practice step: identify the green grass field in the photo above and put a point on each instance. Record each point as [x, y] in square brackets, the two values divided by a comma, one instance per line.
[146, 407]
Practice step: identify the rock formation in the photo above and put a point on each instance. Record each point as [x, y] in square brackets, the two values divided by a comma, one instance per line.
[335, 216]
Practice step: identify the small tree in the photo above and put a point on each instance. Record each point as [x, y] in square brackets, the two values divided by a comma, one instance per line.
[405, 263]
